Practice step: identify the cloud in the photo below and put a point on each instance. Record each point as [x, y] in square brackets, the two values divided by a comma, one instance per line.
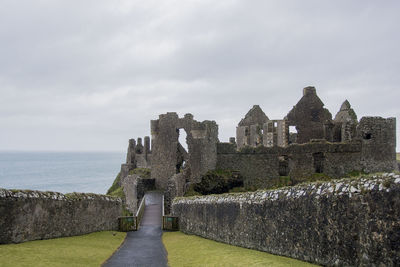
[89, 75]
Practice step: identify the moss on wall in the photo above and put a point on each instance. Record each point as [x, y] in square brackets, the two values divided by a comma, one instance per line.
[142, 172]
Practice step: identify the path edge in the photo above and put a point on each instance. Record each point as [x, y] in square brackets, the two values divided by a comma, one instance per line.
[115, 251]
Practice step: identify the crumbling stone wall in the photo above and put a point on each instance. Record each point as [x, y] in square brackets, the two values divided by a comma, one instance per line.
[276, 133]
[261, 164]
[129, 187]
[311, 119]
[164, 137]
[256, 166]
[32, 215]
[264, 148]
[378, 137]
[176, 187]
[134, 188]
[367, 146]
[143, 153]
[202, 139]
[249, 129]
[345, 123]
[137, 156]
[348, 222]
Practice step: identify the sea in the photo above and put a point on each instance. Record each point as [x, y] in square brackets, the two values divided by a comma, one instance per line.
[64, 172]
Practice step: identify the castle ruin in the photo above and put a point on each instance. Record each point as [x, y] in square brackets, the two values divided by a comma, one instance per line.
[305, 142]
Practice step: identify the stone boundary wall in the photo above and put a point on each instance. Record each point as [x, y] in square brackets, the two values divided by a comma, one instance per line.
[31, 215]
[346, 222]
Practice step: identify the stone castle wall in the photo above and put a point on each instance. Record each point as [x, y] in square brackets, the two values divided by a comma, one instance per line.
[167, 154]
[134, 188]
[261, 164]
[137, 156]
[33, 215]
[348, 222]
[372, 150]
[378, 137]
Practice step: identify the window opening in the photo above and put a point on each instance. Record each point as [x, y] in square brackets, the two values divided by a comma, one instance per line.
[181, 150]
[319, 159]
[367, 136]
[283, 166]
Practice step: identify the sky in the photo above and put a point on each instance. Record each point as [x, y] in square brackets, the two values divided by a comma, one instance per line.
[89, 75]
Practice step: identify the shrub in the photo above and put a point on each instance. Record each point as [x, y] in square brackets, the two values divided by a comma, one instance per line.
[218, 182]
[191, 192]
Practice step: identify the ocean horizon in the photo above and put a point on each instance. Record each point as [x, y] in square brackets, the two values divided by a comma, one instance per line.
[60, 171]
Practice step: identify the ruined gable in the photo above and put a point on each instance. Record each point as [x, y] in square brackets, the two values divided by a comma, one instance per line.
[255, 116]
[311, 119]
[250, 129]
[346, 113]
[345, 123]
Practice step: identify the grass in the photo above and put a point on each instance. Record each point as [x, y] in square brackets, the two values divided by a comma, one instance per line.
[116, 189]
[398, 156]
[85, 250]
[119, 192]
[189, 250]
[115, 184]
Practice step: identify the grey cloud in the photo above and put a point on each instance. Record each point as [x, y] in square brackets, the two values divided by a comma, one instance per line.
[91, 74]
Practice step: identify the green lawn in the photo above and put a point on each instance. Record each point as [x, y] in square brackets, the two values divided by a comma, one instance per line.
[86, 250]
[398, 156]
[190, 250]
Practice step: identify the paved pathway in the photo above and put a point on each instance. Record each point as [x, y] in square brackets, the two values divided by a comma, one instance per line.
[143, 247]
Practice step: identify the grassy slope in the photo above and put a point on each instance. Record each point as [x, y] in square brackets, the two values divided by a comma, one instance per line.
[189, 250]
[116, 190]
[114, 186]
[86, 250]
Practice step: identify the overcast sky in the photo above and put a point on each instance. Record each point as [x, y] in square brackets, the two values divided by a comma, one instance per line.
[89, 75]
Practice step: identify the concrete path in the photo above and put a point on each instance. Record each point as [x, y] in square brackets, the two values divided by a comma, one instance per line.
[143, 247]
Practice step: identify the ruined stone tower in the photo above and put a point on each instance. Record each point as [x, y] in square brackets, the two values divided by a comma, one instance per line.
[168, 156]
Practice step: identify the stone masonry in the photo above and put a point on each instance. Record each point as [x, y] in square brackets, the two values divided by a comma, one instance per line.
[33, 215]
[169, 157]
[265, 148]
[348, 222]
